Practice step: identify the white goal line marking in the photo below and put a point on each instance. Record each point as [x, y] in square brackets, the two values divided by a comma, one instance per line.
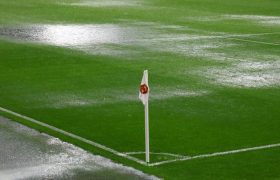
[126, 155]
[218, 154]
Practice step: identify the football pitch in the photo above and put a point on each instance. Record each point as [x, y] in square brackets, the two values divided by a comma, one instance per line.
[72, 69]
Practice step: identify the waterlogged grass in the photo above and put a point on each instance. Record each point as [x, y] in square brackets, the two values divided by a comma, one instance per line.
[209, 93]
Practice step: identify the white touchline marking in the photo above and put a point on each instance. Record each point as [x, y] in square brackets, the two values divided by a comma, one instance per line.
[218, 154]
[253, 41]
[126, 155]
[74, 136]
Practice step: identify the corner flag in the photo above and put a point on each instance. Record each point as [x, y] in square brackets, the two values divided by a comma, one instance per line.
[144, 97]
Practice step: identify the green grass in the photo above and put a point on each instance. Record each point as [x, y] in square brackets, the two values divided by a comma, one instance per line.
[93, 95]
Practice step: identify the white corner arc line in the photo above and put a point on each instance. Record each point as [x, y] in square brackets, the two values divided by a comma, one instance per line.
[158, 153]
[100, 146]
[218, 154]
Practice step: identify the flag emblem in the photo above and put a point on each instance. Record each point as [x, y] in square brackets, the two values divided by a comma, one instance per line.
[144, 88]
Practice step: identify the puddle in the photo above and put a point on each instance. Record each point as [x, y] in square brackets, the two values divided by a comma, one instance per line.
[265, 20]
[268, 20]
[131, 40]
[117, 40]
[107, 3]
[247, 73]
[69, 35]
[90, 98]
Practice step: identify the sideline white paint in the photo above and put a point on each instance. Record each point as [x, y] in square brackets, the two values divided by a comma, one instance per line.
[126, 155]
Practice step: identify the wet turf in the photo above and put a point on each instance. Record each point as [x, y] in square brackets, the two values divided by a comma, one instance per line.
[78, 68]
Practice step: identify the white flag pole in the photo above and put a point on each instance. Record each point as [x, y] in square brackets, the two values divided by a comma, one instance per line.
[144, 97]
[147, 137]
[147, 134]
